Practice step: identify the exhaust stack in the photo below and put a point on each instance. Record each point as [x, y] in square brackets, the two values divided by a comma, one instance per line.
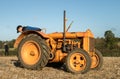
[64, 30]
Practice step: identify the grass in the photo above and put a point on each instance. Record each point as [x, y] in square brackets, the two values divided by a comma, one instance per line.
[111, 53]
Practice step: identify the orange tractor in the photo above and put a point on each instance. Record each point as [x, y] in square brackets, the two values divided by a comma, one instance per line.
[75, 49]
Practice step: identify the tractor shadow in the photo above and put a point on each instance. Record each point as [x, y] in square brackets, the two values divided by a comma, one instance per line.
[58, 66]
[16, 63]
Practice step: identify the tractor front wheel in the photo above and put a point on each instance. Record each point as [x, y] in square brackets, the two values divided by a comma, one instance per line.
[78, 61]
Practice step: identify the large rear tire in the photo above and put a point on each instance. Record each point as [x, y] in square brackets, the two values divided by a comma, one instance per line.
[78, 61]
[33, 52]
[97, 60]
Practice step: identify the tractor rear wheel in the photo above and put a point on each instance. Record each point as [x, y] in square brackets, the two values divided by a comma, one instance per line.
[97, 60]
[78, 61]
[33, 52]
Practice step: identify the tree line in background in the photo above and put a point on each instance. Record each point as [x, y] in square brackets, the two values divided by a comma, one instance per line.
[109, 45]
[9, 43]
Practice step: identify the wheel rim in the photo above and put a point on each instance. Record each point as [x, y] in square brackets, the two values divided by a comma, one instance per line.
[77, 61]
[95, 61]
[30, 52]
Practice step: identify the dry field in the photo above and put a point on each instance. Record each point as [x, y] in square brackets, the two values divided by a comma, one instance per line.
[10, 70]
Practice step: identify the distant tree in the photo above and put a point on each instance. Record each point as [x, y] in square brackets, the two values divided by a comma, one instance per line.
[11, 43]
[109, 39]
[117, 42]
[0, 44]
[100, 43]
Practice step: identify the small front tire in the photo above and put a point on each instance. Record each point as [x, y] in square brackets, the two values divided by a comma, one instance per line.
[78, 61]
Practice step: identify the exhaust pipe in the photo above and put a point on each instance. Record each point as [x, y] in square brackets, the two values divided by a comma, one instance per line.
[64, 31]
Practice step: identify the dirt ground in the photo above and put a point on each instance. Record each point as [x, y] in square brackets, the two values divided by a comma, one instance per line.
[10, 70]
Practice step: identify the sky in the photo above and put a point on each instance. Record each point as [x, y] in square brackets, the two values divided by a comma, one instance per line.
[96, 15]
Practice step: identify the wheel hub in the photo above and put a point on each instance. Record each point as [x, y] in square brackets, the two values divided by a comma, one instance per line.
[77, 62]
[32, 53]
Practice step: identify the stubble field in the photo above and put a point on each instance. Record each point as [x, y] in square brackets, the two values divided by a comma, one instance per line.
[10, 70]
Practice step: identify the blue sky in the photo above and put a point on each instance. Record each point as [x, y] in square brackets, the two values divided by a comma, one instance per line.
[97, 15]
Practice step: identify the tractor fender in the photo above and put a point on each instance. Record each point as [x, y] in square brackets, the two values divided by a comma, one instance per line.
[24, 34]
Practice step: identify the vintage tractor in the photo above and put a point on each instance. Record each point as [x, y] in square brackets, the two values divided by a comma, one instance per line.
[75, 50]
